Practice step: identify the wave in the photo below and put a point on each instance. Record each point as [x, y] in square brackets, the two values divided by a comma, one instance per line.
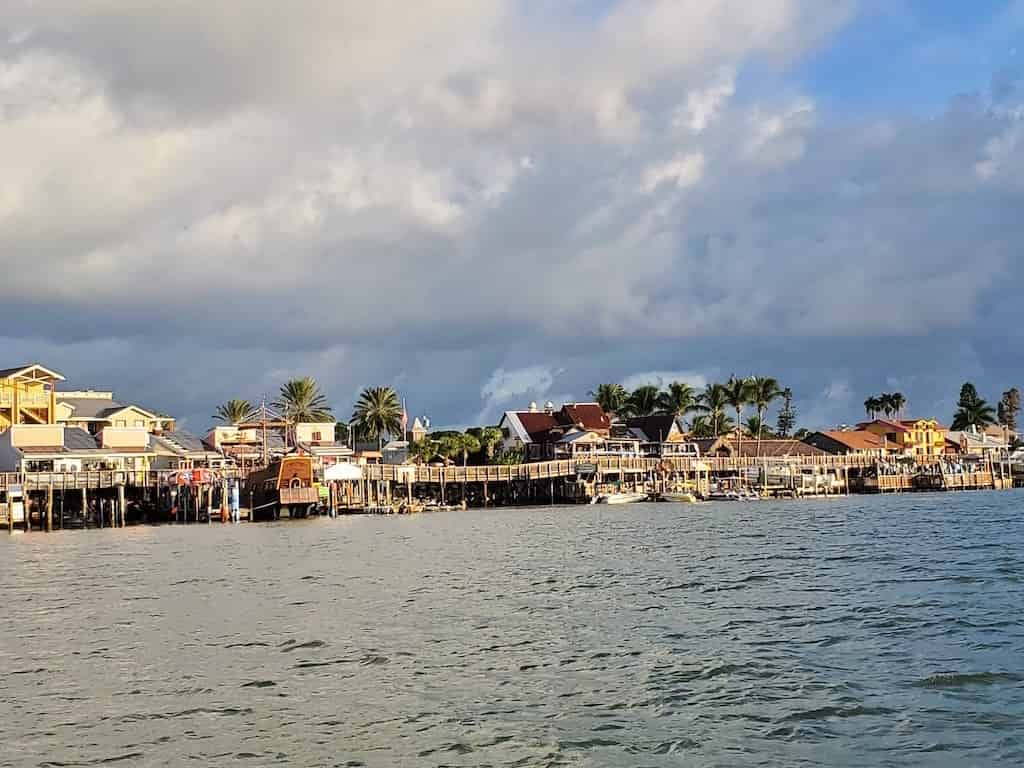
[964, 679]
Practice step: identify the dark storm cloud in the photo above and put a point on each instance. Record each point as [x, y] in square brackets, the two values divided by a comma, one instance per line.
[481, 208]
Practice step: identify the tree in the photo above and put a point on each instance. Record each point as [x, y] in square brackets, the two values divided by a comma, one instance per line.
[511, 456]
[763, 390]
[234, 412]
[678, 400]
[300, 400]
[642, 401]
[885, 404]
[802, 434]
[448, 447]
[611, 397]
[342, 432]
[711, 426]
[713, 401]
[756, 428]
[378, 412]
[898, 402]
[424, 451]
[1009, 409]
[467, 444]
[972, 412]
[490, 438]
[787, 414]
[738, 395]
[872, 406]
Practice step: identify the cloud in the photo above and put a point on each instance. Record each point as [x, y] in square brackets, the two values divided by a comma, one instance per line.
[662, 379]
[443, 195]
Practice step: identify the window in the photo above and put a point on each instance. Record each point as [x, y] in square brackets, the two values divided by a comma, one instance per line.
[120, 423]
[140, 423]
[316, 437]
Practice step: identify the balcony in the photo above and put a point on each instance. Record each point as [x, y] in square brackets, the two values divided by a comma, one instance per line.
[25, 399]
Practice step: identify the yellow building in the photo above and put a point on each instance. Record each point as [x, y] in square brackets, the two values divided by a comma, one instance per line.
[911, 437]
[27, 395]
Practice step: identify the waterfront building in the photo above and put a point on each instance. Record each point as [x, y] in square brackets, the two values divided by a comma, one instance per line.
[851, 442]
[94, 410]
[976, 444]
[728, 447]
[57, 448]
[28, 395]
[183, 450]
[918, 438]
[660, 436]
[537, 432]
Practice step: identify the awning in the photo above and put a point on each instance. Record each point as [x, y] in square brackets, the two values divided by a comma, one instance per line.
[343, 471]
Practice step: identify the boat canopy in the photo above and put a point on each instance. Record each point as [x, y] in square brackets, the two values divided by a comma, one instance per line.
[343, 471]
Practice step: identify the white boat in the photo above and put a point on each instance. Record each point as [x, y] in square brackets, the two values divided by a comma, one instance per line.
[680, 497]
[619, 498]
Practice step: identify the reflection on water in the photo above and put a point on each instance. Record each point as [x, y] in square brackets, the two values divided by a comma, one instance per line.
[881, 631]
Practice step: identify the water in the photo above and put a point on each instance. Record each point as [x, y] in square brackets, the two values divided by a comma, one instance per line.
[864, 631]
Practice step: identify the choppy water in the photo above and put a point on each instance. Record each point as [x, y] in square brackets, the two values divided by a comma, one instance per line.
[866, 631]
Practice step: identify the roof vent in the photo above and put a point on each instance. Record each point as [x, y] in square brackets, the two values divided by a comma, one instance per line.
[533, 406]
[549, 406]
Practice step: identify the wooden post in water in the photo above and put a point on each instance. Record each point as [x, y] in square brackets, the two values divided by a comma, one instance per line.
[85, 504]
[49, 506]
[442, 486]
[10, 511]
[121, 503]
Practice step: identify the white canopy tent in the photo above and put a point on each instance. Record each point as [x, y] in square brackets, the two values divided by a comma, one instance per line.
[343, 471]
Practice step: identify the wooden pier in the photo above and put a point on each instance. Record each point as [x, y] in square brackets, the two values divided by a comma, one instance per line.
[110, 498]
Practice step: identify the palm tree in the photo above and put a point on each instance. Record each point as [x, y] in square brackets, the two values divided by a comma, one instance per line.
[611, 397]
[975, 415]
[234, 412]
[467, 444]
[755, 427]
[764, 390]
[713, 401]
[898, 403]
[424, 451]
[679, 399]
[642, 401]
[872, 406]
[490, 438]
[448, 447]
[301, 400]
[738, 395]
[711, 426]
[378, 412]
[888, 404]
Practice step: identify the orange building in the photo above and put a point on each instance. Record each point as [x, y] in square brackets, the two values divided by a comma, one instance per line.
[911, 437]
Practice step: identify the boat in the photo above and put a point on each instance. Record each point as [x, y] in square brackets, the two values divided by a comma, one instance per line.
[285, 487]
[680, 497]
[619, 498]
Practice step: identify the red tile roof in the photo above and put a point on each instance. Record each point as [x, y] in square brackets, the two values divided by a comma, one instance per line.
[537, 423]
[894, 425]
[589, 415]
[773, 449]
[857, 440]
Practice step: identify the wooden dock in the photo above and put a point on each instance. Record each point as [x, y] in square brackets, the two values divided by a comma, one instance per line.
[111, 498]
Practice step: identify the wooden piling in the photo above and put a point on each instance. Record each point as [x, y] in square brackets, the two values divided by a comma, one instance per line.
[121, 504]
[49, 507]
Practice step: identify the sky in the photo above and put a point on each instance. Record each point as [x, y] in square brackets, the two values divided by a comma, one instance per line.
[488, 202]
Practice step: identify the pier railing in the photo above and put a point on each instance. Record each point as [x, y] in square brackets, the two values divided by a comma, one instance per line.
[606, 466]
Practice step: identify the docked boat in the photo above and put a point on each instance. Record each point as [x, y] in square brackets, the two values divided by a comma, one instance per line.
[619, 498]
[285, 487]
[680, 497]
